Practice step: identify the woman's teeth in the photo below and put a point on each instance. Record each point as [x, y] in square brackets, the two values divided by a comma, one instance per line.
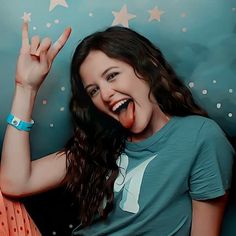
[118, 106]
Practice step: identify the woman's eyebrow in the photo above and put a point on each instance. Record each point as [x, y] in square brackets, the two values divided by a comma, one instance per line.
[105, 71]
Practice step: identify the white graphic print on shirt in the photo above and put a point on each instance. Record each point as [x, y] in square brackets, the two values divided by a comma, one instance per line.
[130, 183]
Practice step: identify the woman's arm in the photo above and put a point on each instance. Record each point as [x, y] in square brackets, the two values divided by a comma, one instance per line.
[208, 216]
[18, 175]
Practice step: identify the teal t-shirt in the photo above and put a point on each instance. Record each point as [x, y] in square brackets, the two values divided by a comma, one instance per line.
[189, 158]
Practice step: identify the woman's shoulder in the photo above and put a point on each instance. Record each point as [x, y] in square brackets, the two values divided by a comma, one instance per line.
[197, 122]
[203, 128]
[206, 129]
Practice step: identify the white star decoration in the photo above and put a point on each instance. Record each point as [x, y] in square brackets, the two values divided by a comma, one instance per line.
[26, 17]
[155, 14]
[122, 17]
[54, 3]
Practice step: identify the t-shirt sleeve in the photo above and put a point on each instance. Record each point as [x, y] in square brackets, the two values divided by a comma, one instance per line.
[211, 172]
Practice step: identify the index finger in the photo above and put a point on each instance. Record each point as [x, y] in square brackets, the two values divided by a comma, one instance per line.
[58, 45]
[25, 35]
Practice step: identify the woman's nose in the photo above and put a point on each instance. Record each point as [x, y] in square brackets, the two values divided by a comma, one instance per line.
[106, 92]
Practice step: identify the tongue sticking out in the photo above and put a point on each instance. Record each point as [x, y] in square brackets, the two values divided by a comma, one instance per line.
[126, 116]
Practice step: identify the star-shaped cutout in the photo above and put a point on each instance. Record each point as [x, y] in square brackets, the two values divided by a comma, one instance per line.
[155, 14]
[54, 3]
[122, 17]
[26, 17]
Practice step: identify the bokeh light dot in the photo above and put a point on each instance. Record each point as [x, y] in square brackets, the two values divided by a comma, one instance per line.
[191, 84]
[44, 102]
[56, 21]
[90, 14]
[204, 91]
[48, 25]
[214, 81]
[62, 109]
[184, 29]
[51, 125]
[230, 114]
[218, 105]
[34, 28]
[63, 88]
[54, 233]
[231, 90]
[70, 226]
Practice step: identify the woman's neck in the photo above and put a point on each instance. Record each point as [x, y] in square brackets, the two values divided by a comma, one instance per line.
[157, 122]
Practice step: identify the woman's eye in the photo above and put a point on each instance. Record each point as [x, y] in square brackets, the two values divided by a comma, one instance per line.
[93, 92]
[112, 76]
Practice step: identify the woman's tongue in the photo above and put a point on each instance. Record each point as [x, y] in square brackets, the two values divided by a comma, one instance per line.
[126, 116]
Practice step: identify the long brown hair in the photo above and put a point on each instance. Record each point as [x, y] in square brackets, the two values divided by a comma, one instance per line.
[98, 140]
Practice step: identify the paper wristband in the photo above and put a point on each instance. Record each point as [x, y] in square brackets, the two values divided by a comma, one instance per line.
[19, 124]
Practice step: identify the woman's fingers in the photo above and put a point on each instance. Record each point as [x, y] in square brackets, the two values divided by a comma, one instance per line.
[34, 44]
[25, 38]
[44, 46]
[42, 52]
[36, 47]
[58, 45]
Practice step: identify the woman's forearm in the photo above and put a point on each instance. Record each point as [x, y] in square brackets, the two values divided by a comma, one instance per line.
[16, 158]
[17, 175]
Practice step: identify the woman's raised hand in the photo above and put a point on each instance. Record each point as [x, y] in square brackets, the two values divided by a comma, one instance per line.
[36, 57]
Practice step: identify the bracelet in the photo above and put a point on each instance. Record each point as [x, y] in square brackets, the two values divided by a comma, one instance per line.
[19, 124]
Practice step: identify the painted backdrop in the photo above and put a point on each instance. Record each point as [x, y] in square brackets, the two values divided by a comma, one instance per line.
[197, 37]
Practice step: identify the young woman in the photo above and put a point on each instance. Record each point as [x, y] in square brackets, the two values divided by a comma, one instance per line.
[144, 158]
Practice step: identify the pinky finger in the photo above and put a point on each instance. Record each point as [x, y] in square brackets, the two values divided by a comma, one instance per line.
[25, 38]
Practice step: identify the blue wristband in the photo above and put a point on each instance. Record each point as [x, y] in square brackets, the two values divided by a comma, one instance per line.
[19, 124]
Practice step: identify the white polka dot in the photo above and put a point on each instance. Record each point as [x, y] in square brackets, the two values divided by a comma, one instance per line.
[184, 29]
[54, 233]
[56, 21]
[51, 125]
[204, 91]
[70, 226]
[44, 102]
[230, 114]
[218, 105]
[34, 28]
[231, 90]
[63, 88]
[191, 84]
[90, 14]
[62, 109]
[48, 25]
[214, 81]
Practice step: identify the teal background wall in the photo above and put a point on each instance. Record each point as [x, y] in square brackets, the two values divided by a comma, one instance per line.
[197, 37]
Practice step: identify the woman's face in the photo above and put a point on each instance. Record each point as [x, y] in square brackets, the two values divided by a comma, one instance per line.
[116, 90]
